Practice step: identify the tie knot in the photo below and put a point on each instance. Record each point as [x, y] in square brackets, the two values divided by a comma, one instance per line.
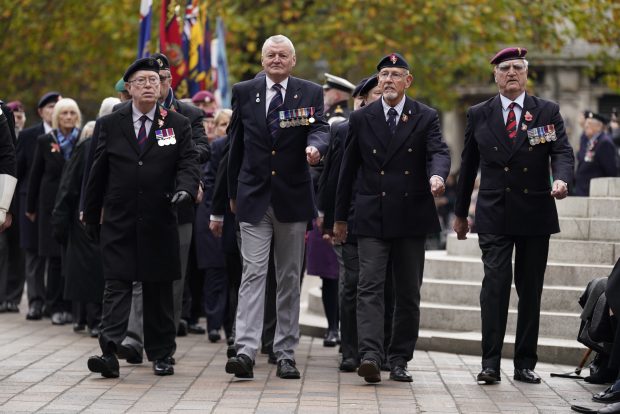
[392, 112]
[512, 105]
[143, 118]
[276, 87]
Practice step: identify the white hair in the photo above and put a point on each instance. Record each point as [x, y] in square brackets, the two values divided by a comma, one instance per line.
[107, 105]
[278, 39]
[63, 104]
[87, 131]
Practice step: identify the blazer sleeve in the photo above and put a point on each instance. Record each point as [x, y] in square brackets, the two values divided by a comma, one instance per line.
[220, 187]
[470, 160]
[97, 178]
[36, 175]
[318, 135]
[69, 190]
[7, 139]
[199, 136]
[437, 150]
[88, 162]
[188, 170]
[562, 156]
[235, 152]
[348, 171]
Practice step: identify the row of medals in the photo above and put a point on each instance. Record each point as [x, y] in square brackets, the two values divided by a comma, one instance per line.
[166, 141]
[286, 123]
[541, 135]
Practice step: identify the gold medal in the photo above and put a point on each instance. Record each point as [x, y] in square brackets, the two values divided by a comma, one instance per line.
[282, 124]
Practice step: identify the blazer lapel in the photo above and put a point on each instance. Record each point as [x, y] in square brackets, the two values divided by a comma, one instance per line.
[127, 127]
[257, 99]
[56, 155]
[495, 121]
[406, 125]
[529, 106]
[378, 124]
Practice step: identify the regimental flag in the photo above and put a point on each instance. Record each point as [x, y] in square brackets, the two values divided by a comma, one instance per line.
[193, 48]
[222, 93]
[206, 52]
[145, 28]
[170, 42]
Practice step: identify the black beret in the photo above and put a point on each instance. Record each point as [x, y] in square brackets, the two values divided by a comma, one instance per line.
[598, 117]
[509, 53]
[141, 64]
[393, 60]
[47, 98]
[368, 85]
[161, 60]
[359, 87]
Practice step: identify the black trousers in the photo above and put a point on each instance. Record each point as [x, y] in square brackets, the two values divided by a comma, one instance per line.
[159, 329]
[407, 255]
[234, 270]
[215, 296]
[55, 287]
[348, 300]
[529, 273]
[329, 296]
[35, 276]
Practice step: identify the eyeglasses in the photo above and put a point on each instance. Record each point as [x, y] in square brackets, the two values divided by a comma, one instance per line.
[163, 78]
[518, 67]
[395, 75]
[141, 81]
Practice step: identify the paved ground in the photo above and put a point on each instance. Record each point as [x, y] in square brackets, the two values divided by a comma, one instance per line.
[43, 369]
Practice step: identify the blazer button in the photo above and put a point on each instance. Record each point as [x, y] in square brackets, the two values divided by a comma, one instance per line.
[374, 151]
[507, 189]
[273, 173]
[506, 169]
[494, 148]
[140, 163]
[406, 172]
[530, 149]
[409, 150]
[273, 152]
[382, 172]
[525, 191]
[525, 169]
[383, 194]
[406, 194]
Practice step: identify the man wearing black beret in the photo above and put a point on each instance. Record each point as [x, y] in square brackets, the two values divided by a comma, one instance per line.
[513, 138]
[390, 144]
[144, 166]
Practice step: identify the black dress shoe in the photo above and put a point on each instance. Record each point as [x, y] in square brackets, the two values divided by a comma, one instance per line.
[196, 329]
[67, 317]
[385, 366]
[79, 327]
[489, 376]
[230, 340]
[610, 409]
[12, 307]
[370, 370]
[94, 333]
[231, 351]
[129, 354]
[526, 375]
[241, 366]
[171, 360]
[607, 397]
[3, 306]
[330, 339]
[106, 365]
[182, 329]
[286, 369]
[349, 365]
[57, 319]
[400, 373]
[34, 312]
[162, 367]
[214, 335]
[272, 359]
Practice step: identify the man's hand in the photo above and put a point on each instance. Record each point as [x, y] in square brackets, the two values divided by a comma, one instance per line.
[180, 197]
[437, 186]
[233, 205]
[461, 227]
[200, 195]
[340, 231]
[319, 223]
[31, 216]
[216, 227]
[312, 155]
[92, 232]
[559, 190]
[8, 220]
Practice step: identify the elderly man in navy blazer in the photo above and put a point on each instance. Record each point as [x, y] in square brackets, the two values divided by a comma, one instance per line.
[519, 143]
[276, 130]
[396, 145]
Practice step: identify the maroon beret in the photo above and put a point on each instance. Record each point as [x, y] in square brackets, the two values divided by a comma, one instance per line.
[16, 106]
[203, 96]
[509, 53]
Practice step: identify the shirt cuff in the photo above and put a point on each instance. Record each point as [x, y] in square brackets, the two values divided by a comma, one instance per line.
[216, 218]
[438, 176]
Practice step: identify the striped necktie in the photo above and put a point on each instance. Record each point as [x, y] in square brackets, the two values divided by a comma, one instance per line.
[391, 121]
[511, 122]
[142, 132]
[272, 114]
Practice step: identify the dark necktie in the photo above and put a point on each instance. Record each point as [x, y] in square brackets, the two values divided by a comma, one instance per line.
[392, 114]
[511, 122]
[142, 132]
[273, 119]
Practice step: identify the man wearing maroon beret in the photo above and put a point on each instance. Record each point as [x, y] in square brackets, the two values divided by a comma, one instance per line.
[513, 138]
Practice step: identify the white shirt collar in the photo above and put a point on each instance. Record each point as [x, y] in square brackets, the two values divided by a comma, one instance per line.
[47, 127]
[136, 114]
[399, 106]
[506, 101]
[270, 83]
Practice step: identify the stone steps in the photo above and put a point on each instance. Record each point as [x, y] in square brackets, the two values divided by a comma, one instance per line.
[599, 229]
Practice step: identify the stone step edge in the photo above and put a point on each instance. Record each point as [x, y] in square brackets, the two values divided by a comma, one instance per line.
[455, 282]
[433, 305]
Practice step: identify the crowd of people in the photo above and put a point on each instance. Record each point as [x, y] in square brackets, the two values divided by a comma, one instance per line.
[163, 210]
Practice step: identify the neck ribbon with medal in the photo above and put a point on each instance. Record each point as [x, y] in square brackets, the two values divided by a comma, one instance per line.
[589, 156]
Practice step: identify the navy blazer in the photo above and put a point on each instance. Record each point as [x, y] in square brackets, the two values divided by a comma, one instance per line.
[515, 185]
[394, 197]
[603, 164]
[263, 171]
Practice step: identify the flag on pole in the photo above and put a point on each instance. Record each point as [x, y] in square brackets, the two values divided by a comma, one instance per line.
[193, 40]
[170, 42]
[206, 53]
[145, 28]
[222, 93]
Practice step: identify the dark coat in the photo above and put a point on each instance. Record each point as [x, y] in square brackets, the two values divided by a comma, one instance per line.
[220, 205]
[263, 171]
[7, 141]
[139, 236]
[603, 164]
[515, 185]
[394, 197]
[82, 260]
[209, 251]
[45, 173]
[26, 144]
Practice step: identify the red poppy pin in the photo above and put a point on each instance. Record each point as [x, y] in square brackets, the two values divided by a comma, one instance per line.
[162, 113]
[528, 116]
[55, 147]
[404, 118]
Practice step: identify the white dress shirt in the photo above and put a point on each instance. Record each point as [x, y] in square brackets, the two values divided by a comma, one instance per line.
[399, 108]
[136, 115]
[518, 108]
[270, 93]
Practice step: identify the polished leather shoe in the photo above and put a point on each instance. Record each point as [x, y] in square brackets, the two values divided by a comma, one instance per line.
[34, 312]
[12, 307]
[370, 370]
[526, 375]
[286, 369]
[489, 376]
[171, 360]
[106, 365]
[57, 319]
[272, 359]
[400, 373]
[3, 306]
[196, 329]
[348, 365]
[241, 366]
[182, 329]
[230, 340]
[94, 332]
[162, 367]
[607, 397]
[610, 409]
[79, 327]
[331, 339]
[231, 351]
[129, 354]
[214, 335]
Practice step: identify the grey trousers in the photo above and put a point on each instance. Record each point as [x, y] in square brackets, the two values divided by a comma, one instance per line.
[288, 258]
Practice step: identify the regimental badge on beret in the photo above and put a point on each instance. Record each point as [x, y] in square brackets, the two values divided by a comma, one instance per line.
[593, 115]
[393, 60]
[509, 53]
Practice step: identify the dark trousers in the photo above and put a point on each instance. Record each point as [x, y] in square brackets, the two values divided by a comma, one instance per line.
[407, 256]
[35, 276]
[159, 329]
[329, 296]
[529, 273]
[348, 300]
[215, 295]
[12, 274]
[234, 270]
[193, 302]
[54, 299]
[87, 313]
